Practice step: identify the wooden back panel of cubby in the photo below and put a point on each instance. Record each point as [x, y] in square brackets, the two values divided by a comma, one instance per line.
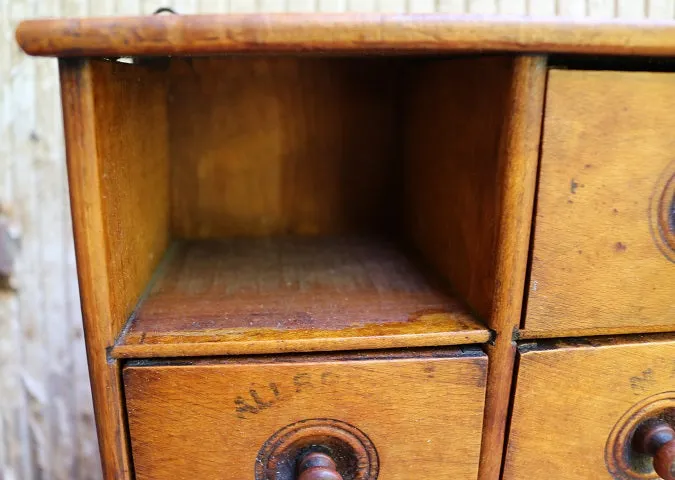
[283, 145]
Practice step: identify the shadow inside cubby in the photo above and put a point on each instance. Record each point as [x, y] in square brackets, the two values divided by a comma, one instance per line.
[318, 203]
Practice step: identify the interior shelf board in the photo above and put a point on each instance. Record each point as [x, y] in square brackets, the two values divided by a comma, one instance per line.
[287, 294]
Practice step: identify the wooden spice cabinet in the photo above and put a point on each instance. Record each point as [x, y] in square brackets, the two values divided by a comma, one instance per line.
[360, 247]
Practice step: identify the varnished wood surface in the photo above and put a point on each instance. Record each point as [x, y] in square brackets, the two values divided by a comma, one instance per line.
[209, 420]
[516, 177]
[133, 181]
[570, 396]
[282, 146]
[117, 168]
[293, 294]
[598, 261]
[472, 131]
[452, 125]
[212, 34]
[25, 99]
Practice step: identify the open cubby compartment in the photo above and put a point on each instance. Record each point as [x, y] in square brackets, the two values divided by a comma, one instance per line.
[262, 204]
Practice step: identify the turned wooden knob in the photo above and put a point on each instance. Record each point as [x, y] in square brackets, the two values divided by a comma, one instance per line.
[317, 466]
[658, 440]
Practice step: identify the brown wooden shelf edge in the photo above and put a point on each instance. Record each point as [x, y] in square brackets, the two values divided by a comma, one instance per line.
[388, 33]
[293, 345]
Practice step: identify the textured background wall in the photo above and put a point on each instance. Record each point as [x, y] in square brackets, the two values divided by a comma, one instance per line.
[46, 422]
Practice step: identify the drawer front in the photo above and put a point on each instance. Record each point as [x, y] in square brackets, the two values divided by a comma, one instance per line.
[576, 407]
[604, 238]
[422, 415]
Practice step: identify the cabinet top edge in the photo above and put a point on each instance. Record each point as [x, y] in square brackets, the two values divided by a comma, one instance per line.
[162, 35]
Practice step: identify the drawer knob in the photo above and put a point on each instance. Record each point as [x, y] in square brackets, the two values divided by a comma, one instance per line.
[317, 449]
[657, 439]
[317, 466]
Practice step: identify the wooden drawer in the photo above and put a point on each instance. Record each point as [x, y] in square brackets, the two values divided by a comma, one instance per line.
[210, 419]
[604, 239]
[576, 406]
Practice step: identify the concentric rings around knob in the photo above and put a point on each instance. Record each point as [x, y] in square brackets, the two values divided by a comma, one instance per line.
[641, 445]
[317, 449]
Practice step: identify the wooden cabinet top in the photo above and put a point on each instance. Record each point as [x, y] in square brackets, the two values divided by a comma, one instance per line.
[342, 33]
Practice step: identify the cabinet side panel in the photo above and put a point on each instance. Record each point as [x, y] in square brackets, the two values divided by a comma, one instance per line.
[132, 159]
[120, 227]
[471, 159]
[454, 111]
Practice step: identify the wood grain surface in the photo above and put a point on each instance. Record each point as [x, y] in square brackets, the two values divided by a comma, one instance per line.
[472, 130]
[212, 34]
[283, 146]
[209, 420]
[452, 125]
[119, 189]
[44, 400]
[570, 395]
[118, 174]
[293, 294]
[516, 174]
[598, 261]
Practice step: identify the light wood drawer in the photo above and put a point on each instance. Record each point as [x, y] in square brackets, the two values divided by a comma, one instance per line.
[604, 236]
[421, 412]
[576, 407]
